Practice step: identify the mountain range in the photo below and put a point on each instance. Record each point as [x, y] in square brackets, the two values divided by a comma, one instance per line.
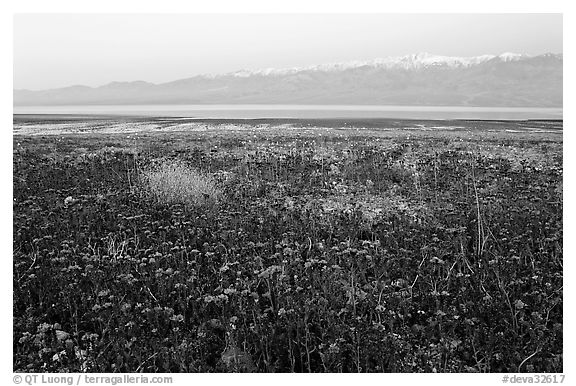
[506, 80]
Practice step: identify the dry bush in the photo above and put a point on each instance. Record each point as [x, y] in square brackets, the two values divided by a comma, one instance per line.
[173, 182]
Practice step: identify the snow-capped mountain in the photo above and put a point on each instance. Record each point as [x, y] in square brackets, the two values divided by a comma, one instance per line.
[407, 62]
[420, 79]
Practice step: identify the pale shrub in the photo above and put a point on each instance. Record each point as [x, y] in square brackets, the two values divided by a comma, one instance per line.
[173, 182]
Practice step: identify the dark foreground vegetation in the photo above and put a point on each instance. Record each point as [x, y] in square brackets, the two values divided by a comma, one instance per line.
[326, 251]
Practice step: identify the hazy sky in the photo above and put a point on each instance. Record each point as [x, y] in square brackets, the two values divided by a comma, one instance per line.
[57, 50]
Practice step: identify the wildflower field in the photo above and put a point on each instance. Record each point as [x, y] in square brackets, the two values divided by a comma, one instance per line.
[289, 247]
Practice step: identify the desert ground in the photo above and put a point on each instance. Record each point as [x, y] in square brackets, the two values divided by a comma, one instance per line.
[186, 245]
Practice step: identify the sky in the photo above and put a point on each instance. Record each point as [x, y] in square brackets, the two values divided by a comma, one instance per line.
[59, 50]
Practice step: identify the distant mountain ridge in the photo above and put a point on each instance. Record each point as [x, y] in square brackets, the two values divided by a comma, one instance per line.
[505, 80]
[408, 62]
